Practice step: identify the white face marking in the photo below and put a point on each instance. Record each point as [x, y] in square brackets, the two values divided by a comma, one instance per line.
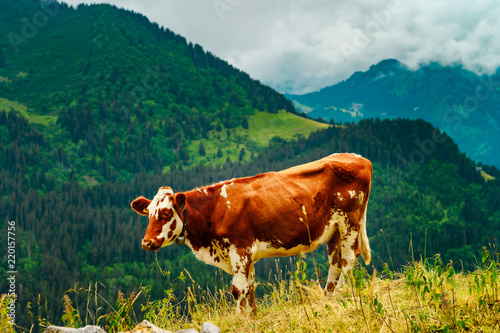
[165, 230]
[352, 193]
[340, 196]
[156, 204]
[154, 209]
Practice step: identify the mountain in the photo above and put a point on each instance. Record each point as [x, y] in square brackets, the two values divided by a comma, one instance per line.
[459, 102]
[114, 94]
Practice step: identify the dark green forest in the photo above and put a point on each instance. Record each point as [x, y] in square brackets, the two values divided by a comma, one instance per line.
[99, 106]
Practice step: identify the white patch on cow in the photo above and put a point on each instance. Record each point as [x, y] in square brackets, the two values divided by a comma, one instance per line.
[361, 197]
[218, 251]
[238, 265]
[205, 191]
[166, 228]
[340, 196]
[348, 238]
[223, 193]
[352, 193]
[156, 204]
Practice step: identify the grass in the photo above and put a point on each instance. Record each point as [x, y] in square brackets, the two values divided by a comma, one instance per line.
[8, 105]
[486, 176]
[263, 126]
[424, 296]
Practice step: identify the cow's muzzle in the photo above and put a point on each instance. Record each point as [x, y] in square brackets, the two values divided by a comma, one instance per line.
[151, 244]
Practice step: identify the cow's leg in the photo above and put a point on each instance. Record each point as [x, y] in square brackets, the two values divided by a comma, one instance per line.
[251, 282]
[240, 265]
[343, 250]
[334, 262]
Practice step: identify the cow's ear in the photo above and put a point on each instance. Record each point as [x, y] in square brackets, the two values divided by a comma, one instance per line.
[180, 202]
[140, 205]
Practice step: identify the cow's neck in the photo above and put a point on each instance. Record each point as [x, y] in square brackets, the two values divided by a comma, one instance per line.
[199, 229]
[181, 239]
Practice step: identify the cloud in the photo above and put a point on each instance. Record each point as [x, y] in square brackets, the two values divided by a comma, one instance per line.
[302, 46]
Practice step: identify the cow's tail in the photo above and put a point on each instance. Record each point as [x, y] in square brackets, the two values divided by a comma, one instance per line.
[363, 239]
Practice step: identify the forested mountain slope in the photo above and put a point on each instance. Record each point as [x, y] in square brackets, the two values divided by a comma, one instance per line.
[459, 102]
[114, 94]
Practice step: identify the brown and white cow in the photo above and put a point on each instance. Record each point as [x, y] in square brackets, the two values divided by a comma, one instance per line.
[233, 224]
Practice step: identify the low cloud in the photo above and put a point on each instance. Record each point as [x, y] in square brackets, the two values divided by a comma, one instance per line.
[300, 46]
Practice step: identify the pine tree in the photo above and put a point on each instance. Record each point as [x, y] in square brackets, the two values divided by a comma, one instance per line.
[201, 150]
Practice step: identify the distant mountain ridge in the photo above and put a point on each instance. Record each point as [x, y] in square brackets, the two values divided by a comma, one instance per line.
[459, 102]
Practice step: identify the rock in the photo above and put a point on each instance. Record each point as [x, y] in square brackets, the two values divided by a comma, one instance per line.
[86, 329]
[143, 327]
[147, 327]
[209, 328]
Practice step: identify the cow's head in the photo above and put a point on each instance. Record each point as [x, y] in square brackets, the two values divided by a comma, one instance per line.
[164, 211]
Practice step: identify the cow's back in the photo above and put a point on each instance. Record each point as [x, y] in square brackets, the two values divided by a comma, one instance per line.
[294, 206]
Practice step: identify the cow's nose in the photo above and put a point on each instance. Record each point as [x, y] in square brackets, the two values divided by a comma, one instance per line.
[146, 244]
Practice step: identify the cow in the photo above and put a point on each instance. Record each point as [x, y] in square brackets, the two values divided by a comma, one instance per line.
[233, 224]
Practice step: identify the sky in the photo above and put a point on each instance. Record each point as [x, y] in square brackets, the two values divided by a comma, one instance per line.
[299, 46]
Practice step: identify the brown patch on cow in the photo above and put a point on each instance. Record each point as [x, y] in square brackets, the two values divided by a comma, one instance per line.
[170, 233]
[173, 225]
[355, 248]
[344, 263]
[216, 259]
[345, 175]
[331, 286]
[236, 292]
[319, 200]
[334, 242]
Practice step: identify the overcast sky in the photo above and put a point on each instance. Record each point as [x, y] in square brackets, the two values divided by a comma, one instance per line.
[298, 46]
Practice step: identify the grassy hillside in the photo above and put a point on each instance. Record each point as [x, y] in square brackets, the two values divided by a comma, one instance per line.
[263, 127]
[423, 296]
